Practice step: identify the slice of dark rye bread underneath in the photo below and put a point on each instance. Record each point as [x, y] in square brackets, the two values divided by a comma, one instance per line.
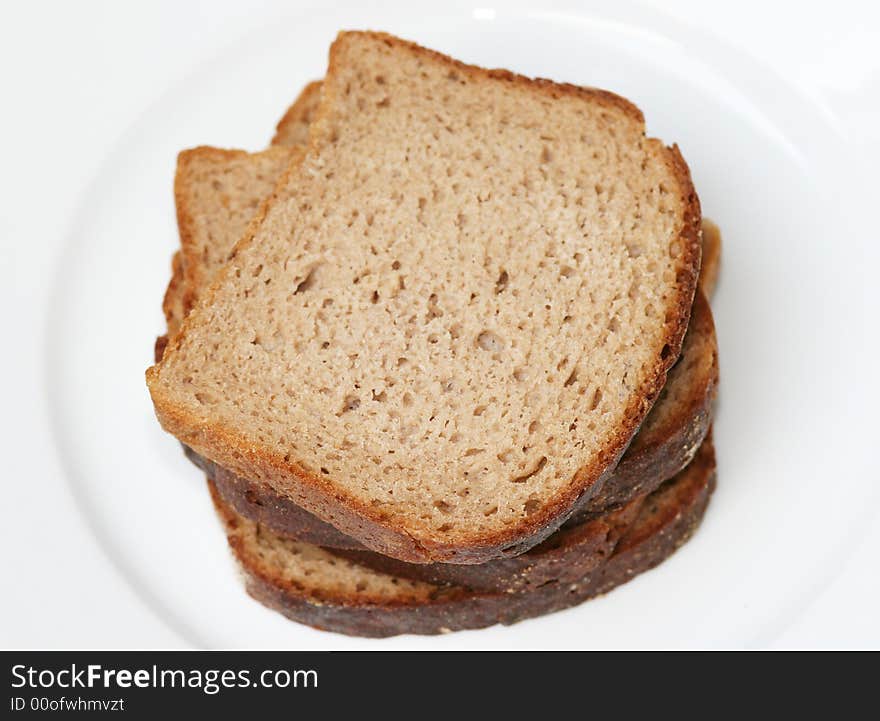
[212, 409]
[323, 589]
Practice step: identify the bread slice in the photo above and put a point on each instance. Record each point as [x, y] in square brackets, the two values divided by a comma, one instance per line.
[664, 445]
[429, 391]
[293, 128]
[322, 589]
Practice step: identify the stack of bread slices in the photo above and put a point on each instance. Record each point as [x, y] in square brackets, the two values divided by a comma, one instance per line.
[443, 350]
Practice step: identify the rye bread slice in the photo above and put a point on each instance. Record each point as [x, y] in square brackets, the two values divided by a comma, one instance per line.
[322, 589]
[629, 272]
[665, 443]
[672, 431]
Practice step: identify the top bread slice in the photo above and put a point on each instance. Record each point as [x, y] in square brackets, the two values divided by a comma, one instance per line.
[453, 314]
[664, 444]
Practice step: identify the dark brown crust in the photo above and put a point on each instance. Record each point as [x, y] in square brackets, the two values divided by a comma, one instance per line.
[354, 517]
[667, 519]
[566, 557]
[159, 347]
[259, 502]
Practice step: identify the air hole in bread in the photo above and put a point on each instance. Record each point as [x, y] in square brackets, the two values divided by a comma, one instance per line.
[307, 282]
[489, 341]
[539, 466]
[351, 403]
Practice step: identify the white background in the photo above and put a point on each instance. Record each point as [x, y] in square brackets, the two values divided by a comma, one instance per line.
[77, 75]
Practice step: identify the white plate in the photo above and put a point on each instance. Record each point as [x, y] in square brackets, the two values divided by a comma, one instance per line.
[793, 434]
